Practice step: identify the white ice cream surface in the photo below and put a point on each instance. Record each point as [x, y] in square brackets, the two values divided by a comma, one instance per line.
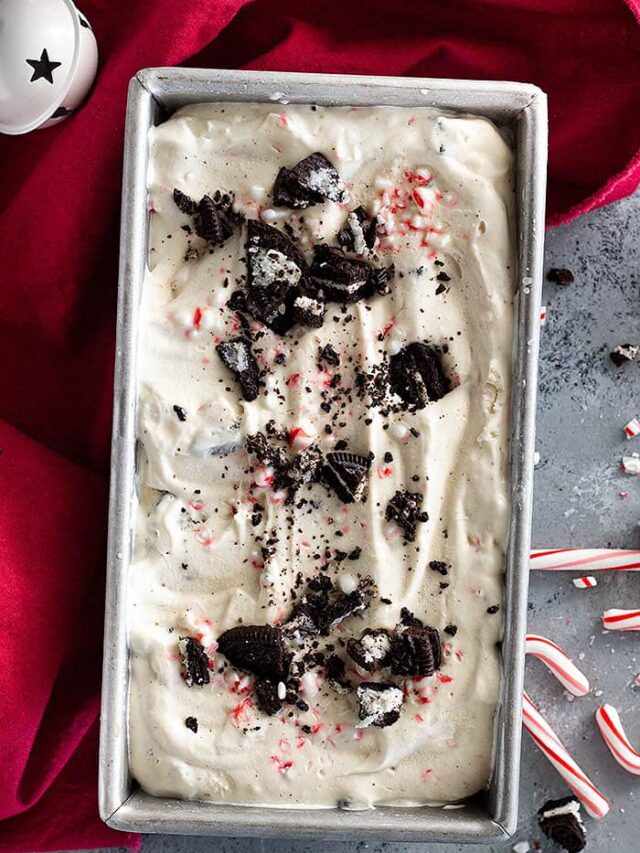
[442, 189]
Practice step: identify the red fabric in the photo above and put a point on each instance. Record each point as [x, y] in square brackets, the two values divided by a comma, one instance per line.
[58, 246]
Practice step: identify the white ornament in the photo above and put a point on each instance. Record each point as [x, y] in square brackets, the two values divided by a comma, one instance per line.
[48, 60]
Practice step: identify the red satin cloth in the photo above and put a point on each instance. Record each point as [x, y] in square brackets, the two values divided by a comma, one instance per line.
[58, 273]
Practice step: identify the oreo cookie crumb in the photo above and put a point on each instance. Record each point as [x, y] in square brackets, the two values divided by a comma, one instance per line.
[267, 698]
[560, 820]
[439, 566]
[195, 662]
[560, 275]
[309, 310]
[328, 354]
[372, 651]
[409, 620]
[416, 375]
[192, 723]
[623, 354]
[181, 413]
[237, 356]
[379, 704]
[404, 509]
[493, 609]
[335, 675]
[359, 233]
[184, 203]
[451, 630]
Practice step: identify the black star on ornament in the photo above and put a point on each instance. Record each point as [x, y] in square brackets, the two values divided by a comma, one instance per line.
[42, 68]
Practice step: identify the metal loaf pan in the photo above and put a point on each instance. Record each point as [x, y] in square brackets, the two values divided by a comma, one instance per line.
[153, 95]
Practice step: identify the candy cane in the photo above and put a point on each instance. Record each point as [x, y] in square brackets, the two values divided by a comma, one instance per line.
[611, 729]
[550, 744]
[558, 663]
[621, 620]
[585, 560]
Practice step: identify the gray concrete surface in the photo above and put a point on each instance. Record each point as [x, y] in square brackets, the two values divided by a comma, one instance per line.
[584, 403]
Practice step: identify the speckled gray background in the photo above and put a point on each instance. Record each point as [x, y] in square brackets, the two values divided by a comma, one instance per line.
[584, 403]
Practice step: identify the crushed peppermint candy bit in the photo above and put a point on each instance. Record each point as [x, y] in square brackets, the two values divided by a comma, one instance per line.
[631, 464]
[632, 429]
[586, 582]
[543, 315]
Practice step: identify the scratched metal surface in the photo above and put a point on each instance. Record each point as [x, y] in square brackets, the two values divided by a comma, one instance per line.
[584, 402]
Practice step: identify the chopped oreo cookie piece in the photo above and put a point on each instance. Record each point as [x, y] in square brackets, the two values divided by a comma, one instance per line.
[339, 277]
[359, 234]
[372, 651]
[266, 453]
[195, 662]
[322, 607]
[306, 467]
[346, 474]
[560, 275]
[275, 267]
[329, 356]
[271, 256]
[258, 649]
[415, 652]
[212, 217]
[272, 306]
[180, 413]
[346, 604]
[416, 375]
[623, 354]
[237, 356]
[184, 203]
[267, 698]
[209, 223]
[309, 310]
[439, 566]
[380, 278]
[560, 820]
[404, 509]
[192, 723]
[379, 704]
[335, 675]
[409, 620]
[311, 181]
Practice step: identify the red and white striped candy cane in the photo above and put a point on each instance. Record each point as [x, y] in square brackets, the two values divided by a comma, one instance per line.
[558, 663]
[621, 620]
[550, 744]
[611, 729]
[585, 560]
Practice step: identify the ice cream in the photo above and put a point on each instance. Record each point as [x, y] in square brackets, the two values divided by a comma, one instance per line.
[323, 414]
